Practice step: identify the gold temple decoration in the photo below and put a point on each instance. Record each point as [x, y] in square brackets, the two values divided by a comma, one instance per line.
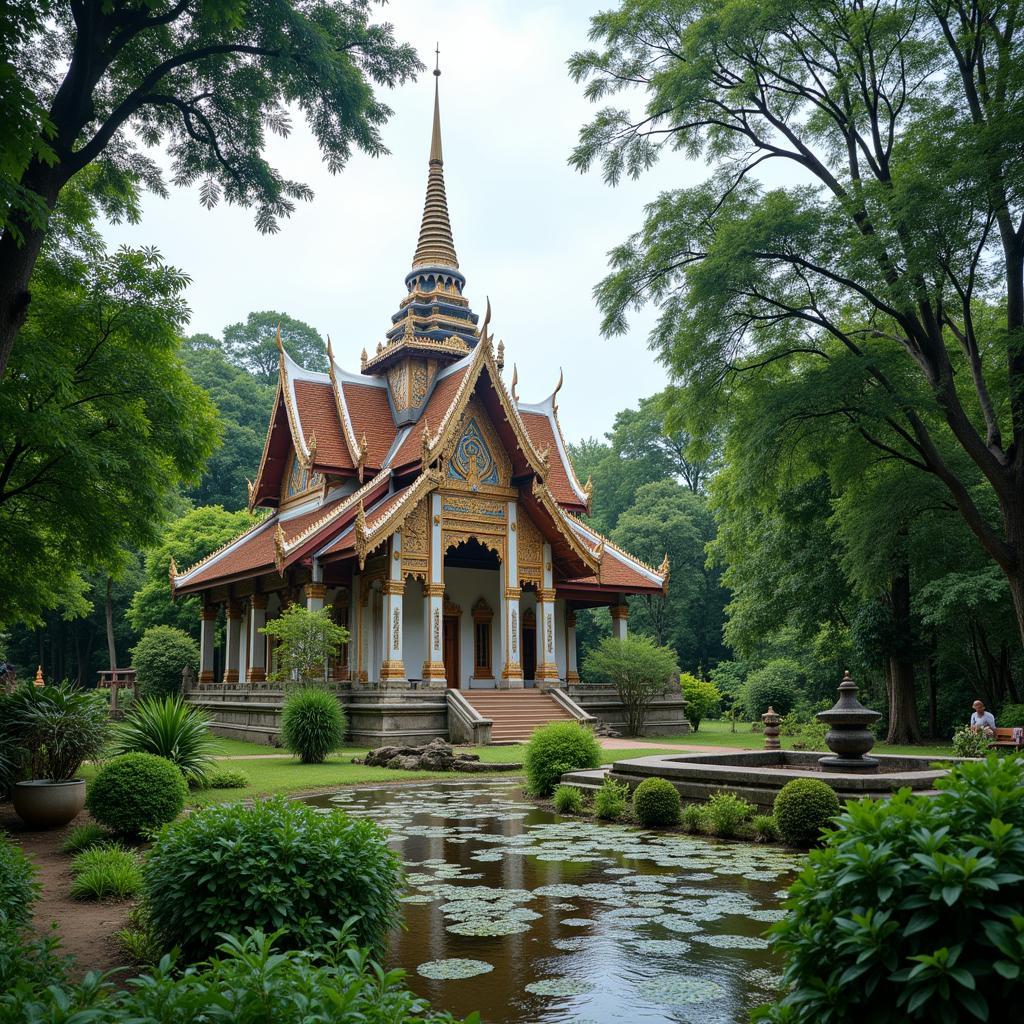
[500, 360]
[558, 387]
[515, 382]
[39, 680]
[588, 487]
[280, 549]
[425, 443]
[665, 570]
[362, 359]
[436, 247]
[172, 573]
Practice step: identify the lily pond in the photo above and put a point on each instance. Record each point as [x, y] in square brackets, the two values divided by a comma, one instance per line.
[527, 916]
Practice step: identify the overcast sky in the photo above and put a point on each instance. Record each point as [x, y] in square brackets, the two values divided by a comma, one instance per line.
[530, 232]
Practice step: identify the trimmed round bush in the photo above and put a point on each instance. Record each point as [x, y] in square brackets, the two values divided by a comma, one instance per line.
[657, 803]
[274, 865]
[312, 724]
[556, 748]
[803, 808]
[18, 887]
[774, 686]
[159, 659]
[135, 793]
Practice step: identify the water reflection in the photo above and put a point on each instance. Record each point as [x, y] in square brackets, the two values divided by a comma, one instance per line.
[576, 922]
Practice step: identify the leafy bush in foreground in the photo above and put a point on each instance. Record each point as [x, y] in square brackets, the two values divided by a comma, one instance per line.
[656, 802]
[135, 793]
[803, 808]
[912, 909]
[725, 813]
[694, 818]
[557, 748]
[170, 728]
[312, 724]
[248, 981]
[968, 743]
[18, 888]
[569, 800]
[611, 800]
[765, 828]
[277, 865]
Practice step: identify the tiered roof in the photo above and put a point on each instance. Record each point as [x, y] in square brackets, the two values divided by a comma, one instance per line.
[367, 462]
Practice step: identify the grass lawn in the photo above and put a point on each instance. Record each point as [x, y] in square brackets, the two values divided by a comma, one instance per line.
[719, 734]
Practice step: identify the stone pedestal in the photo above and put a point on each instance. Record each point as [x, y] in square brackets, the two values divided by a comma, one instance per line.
[849, 737]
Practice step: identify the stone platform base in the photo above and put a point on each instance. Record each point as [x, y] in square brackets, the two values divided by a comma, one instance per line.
[758, 775]
[666, 715]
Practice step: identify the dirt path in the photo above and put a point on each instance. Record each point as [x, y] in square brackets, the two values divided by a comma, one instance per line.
[86, 929]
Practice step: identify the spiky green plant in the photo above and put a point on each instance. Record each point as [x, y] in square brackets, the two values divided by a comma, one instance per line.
[84, 837]
[105, 872]
[312, 724]
[172, 729]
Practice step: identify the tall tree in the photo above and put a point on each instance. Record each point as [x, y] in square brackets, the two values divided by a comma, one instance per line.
[99, 422]
[898, 230]
[244, 405]
[252, 345]
[207, 78]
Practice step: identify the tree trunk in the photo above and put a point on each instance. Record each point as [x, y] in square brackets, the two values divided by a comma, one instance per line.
[903, 724]
[933, 728]
[111, 645]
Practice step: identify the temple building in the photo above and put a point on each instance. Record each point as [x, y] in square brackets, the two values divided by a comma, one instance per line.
[432, 510]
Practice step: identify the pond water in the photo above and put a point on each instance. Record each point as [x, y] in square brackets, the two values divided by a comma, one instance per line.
[532, 918]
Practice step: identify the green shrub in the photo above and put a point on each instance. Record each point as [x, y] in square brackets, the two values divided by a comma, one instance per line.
[557, 748]
[136, 939]
[106, 872]
[159, 659]
[726, 812]
[810, 736]
[248, 981]
[694, 818]
[967, 743]
[172, 729]
[18, 887]
[134, 793]
[702, 698]
[277, 865]
[765, 828]
[569, 800]
[656, 803]
[803, 808]
[53, 729]
[1011, 715]
[84, 837]
[776, 685]
[611, 800]
[911, 911]
[226, 778]
[312, 724]
[28, 966]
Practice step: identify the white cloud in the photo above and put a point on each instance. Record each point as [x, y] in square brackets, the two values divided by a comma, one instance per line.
[530, 232]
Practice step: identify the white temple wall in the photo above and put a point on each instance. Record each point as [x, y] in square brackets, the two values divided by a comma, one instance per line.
[414, 640]
[465, 587]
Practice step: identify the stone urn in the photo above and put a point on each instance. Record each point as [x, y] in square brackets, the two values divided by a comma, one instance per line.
[849, 737]
[41, 803]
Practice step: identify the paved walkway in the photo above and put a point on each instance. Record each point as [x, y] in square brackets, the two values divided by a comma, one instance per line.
[625, 743]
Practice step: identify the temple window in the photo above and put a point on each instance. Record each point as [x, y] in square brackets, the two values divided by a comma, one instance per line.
[483, 619]
[298, 479]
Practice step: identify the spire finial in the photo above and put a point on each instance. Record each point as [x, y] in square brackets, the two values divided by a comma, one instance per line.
[437, 59]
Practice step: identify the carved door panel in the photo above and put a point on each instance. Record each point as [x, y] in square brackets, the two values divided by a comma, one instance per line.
[451, 650]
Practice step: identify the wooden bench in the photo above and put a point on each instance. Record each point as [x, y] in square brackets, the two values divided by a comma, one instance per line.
[1004, 738]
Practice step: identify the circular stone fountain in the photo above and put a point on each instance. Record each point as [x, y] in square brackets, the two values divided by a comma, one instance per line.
[849, 737]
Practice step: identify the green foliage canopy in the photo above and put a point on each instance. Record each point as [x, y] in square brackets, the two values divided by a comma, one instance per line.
[305, 641]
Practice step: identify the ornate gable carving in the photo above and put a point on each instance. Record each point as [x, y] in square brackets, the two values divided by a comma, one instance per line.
[477, 459]
[530, 550]
[416, 543]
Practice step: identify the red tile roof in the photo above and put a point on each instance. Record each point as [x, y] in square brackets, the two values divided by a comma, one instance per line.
[538, 427]
[437, 405]
[370, 413]
[318, 415]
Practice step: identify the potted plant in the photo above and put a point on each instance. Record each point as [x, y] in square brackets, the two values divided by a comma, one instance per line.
[51, 731]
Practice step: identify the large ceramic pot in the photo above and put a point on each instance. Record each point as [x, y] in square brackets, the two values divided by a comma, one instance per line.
[41, 803]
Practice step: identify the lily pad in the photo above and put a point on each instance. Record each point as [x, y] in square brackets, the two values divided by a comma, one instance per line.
[560, 987]
[675, 990]
[454, 969]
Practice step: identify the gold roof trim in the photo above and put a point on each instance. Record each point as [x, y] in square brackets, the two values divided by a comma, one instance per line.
[453, 345]
[341, 406]
[216, 551]
[605, 542]
[367, 540]
[588, 556]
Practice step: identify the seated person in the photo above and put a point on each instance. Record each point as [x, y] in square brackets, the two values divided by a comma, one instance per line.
[983, 721]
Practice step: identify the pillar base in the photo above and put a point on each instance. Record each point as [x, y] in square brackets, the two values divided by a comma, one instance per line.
[256, 675]
[572, 676]
[392, 670]
[231, 676]
[547, 673]
[434, 672]
[510, 684]
[205, 678]
[511, 671]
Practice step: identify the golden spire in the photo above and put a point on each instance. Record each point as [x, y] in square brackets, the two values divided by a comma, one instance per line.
[436, 247]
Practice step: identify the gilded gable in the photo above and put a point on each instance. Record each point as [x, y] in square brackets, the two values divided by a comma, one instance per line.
[477, 459]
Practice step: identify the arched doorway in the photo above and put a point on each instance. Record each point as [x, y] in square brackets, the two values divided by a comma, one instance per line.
[472, 644]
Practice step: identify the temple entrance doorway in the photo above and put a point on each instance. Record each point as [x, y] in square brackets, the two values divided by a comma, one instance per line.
[450, 645]
[528, 645]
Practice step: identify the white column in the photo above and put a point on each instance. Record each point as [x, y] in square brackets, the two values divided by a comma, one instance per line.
[572, 674]
[433, 597]
[315, 594]
[243, 645]
[620, 618]
[392, 668]
[257, 641]
[547, 670]
[207, 625]
[233, 618]
[512, 671]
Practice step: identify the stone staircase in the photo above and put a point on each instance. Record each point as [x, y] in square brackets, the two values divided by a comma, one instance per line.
[516, 713]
